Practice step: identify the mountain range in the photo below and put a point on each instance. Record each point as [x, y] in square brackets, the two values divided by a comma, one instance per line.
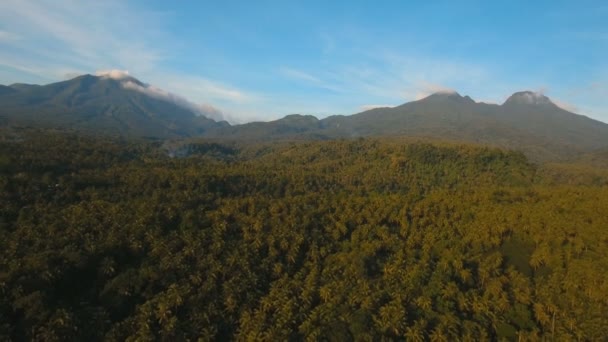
[527, 121]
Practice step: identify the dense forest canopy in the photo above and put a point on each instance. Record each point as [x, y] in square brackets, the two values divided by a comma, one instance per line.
[113, 239]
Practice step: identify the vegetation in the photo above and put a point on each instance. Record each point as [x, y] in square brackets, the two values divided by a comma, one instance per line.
[542, 130]
[108, 239]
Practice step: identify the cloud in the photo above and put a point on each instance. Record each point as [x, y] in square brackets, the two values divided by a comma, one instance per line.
[533, 97]
[300, 75]
[565, 105]
[113, 74]
[69, 31]
[66, 38]
[152, 91]
[202, 89]
[215, 90]
[45, 40]
[424, 89]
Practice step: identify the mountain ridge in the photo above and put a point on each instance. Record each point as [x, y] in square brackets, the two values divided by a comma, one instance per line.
[121, 104]
[527, 121]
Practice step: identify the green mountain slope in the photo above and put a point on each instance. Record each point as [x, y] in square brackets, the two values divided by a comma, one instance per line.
[526, 121]
[295, 126]
[100, 104]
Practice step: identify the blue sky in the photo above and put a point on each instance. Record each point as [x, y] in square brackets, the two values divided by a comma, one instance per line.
[261, 60]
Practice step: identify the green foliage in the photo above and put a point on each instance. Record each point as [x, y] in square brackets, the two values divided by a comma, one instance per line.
[104, 239]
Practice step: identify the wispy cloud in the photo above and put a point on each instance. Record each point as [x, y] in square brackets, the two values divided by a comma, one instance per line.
[127, 81]
[340, 68]
[300, 75]
[382, 77]
[52, 40]
[424, 89]
[565, 105]
[83, 35]
[236, 105]
[203, 89]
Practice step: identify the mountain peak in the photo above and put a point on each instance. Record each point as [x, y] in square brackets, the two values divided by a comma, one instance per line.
[113, 74]
[114, 101]
[23, 86]
[118, 75]
[299, 117]
[528, 98]
[448, 95]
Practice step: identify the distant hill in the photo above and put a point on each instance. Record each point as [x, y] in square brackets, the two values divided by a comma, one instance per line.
[123, 106]
[291, 127]
[526, 121]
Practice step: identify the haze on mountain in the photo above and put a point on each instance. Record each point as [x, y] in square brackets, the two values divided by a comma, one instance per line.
[117, 103]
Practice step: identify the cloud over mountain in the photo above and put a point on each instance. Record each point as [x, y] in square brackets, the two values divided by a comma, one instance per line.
[129, 82]
[425, 89]
[113, 74]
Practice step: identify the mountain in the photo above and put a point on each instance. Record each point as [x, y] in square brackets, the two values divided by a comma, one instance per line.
[527, 121]
[294, 126]
[116, 105]
[120, 104]
[6, 90]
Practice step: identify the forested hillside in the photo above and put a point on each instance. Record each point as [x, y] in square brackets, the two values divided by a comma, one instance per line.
[527, 121]
[106, 239]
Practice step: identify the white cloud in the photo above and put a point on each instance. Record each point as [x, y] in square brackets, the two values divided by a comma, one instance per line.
[152, 91]
[565, 105]
[45, 40]
[300, 75]
[77, 33]
[425, 89]
[201, 89]
[532, 97]
[114, 74]
[64, 38]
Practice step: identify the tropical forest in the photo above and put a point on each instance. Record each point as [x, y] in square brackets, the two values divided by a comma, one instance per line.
[356, 239]
[303, 171]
